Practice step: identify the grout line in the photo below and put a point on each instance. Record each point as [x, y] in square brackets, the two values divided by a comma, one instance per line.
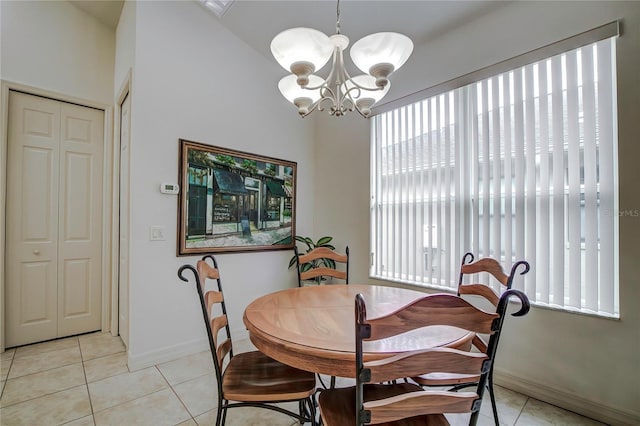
[18, 350]
[81, 356]
[44, 395]
[127, 402]
[45, 370]
[176, 394]
[521, 410]
[6, 378]
[41, 396]
[86, 383]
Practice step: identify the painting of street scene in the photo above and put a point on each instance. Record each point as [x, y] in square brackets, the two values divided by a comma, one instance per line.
[234, 201]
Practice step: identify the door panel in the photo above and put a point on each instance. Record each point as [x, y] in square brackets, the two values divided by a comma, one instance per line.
[38, 199]
[80, 242]
[77, 184]
[77, 300]
[32, 219]
[36, 277]
[54, 219]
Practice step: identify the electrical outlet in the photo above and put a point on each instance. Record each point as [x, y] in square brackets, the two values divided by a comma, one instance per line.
[156, 233]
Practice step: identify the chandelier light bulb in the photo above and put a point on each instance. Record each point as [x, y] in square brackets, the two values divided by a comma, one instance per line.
[301, 50]
[380, 54]
[299, 96]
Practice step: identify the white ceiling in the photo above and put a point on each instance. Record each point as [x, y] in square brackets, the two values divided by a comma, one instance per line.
[258, 21]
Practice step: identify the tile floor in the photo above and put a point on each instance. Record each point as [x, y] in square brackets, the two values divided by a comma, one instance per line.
[84, 380]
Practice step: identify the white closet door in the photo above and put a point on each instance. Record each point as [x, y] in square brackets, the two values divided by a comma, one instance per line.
[80, 220]
[54, 219]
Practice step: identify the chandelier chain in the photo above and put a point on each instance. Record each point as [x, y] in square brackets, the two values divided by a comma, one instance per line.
[338, 18]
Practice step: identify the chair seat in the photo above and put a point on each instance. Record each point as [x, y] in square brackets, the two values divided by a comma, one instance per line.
[337, 406]
[254, 377]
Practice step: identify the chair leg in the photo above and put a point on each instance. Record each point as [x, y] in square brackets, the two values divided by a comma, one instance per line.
[493, 398]
[224, 416]
[219, 415]
[332, 383]
[312, 410]
[301, 410]
[307, 409]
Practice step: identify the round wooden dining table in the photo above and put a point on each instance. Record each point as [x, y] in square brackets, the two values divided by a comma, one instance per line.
[313, 328]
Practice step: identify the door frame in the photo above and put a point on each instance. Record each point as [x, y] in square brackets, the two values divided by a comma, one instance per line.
[107, 188]
[123, 92]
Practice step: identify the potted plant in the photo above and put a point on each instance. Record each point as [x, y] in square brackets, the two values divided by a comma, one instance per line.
[321, 262]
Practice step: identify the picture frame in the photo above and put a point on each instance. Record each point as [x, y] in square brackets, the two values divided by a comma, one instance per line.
[234, 201]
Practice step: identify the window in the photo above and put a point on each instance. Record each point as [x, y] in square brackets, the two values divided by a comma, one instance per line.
[520, 165]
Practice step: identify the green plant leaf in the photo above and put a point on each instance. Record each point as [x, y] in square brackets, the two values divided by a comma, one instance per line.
[292, 261]
[323, 241]
[308, 241]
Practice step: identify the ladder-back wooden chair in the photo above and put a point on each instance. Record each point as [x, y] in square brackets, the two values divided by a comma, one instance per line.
[378, 399]
[322, 262]
[494, 271]
[250, 379]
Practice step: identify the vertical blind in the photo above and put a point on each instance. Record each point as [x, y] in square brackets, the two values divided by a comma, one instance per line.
[518, 166]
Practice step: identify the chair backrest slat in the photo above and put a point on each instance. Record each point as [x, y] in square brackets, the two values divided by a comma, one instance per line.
[435, 309]
[480, 290]
[211, 298]
[223, 349]
[489, 265]
[323, 253]
[216, 324]
[409, 364]
[419, 403]
[323, 272]
[207, 271]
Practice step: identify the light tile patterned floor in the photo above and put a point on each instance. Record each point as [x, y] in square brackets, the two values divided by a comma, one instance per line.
[84, 380]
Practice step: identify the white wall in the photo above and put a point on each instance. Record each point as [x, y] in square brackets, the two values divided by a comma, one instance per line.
[53, 45]
[583, 363]
[125, 45]
[195, 80]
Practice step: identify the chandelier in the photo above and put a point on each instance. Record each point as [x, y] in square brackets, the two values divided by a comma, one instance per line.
[305, 50]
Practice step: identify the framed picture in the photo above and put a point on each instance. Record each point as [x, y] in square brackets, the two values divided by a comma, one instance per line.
[232, 201]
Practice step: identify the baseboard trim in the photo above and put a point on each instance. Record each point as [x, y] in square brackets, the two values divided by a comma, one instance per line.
[170, 353]
[568, 401]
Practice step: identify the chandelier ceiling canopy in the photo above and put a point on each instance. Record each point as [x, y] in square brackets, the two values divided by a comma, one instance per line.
[303, 51]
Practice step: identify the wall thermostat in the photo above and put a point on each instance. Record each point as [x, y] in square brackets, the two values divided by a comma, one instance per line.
[169, 188]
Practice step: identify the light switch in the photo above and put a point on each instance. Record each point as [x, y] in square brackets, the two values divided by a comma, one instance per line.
[156, 233]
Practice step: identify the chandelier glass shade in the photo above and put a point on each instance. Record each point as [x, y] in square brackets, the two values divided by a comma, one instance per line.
[303, 51]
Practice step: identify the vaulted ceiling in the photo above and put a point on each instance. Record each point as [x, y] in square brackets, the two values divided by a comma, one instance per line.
[258, 21]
